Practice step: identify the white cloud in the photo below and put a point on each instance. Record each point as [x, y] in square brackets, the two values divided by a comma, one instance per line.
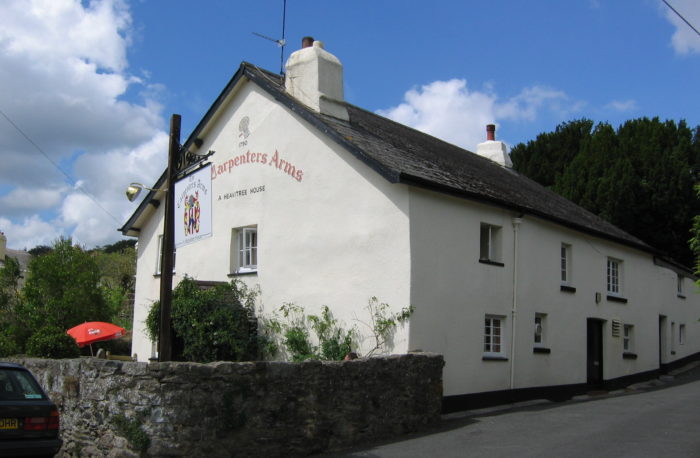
[33, 199]
[450, 111]
[622, 105]
[64, 74]
[684, 40]
[29, 233]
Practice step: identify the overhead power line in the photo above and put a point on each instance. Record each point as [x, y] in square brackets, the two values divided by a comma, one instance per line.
[68, 177]
[681, 16]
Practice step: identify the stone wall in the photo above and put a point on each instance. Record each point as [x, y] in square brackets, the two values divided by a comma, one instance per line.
[120, 409]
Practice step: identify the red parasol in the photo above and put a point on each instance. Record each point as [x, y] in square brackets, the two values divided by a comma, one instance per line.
[95, 331]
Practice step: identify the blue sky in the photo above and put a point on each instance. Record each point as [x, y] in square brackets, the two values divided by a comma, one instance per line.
[92, 84]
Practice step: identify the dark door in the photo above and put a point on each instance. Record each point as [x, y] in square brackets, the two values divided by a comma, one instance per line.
[662, 341]
[594, 352]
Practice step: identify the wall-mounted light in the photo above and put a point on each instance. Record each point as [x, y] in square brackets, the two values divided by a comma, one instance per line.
[134, 189]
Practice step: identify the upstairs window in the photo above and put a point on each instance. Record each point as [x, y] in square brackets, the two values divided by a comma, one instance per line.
[680, 290]
[490, 244]
[614, 276]
[244, 250]
[565, 264]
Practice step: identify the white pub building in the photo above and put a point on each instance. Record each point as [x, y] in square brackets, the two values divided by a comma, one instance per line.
[320, 202]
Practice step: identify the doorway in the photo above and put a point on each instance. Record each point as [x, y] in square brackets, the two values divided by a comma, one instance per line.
[594, 359]
[662, 341]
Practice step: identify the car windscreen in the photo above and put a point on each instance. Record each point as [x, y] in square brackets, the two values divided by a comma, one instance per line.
[17, 385]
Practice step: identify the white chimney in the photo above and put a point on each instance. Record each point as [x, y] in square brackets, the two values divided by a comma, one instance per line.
[315, 78]
[492, 149]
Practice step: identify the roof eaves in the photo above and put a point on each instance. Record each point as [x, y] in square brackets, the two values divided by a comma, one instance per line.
[129, 227]
[460, 193]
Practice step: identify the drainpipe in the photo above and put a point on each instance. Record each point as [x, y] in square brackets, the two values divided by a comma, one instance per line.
[514, 309]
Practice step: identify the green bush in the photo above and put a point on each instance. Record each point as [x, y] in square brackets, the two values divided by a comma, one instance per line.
[214, 323]
[52, 342]
[334, 342]
[8, 347]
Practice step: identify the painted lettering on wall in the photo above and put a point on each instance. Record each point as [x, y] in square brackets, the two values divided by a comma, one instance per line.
[275, 160]
[241, 192]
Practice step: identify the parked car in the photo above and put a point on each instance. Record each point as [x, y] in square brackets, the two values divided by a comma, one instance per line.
[29, 421]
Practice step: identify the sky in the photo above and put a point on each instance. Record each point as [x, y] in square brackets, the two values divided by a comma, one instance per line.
[87, 88]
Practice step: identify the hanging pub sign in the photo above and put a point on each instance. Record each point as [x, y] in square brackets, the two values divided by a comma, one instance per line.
[193, 208]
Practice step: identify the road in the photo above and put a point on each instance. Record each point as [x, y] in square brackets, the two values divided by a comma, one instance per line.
[660, 418]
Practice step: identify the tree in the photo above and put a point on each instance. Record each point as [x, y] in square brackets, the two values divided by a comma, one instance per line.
[9, 300]
[117, 280]
[639, 178]
[40, 250]
[62, 290]
[545, 158]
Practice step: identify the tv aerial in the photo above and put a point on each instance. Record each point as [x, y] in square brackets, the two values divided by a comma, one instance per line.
[281, 41]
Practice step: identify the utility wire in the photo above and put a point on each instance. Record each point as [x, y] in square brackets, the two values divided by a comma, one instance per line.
[68, 177]
[681, 16]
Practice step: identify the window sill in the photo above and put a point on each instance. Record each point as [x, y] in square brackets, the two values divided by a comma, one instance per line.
[619, 299]
[494, 358]
[491, 263]
[680, 296]
[242, 274]
[629, 355]
[567, 289]
[542, 350]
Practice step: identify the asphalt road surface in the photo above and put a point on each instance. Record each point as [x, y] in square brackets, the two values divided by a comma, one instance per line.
[660, 418]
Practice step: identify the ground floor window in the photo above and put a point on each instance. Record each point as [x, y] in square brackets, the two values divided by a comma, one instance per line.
[493, 336]
[627, 338]
[540, 322]
[681, 334]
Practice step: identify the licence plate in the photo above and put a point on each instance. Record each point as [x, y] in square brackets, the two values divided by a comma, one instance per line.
[9, 423]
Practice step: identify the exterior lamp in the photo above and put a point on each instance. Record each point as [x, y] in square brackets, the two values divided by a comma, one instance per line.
[134, 189]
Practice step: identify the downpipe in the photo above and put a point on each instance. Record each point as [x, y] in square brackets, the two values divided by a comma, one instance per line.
[514, 309]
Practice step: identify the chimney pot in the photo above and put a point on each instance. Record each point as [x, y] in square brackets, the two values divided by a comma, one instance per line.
[491, 132]
[307, 42]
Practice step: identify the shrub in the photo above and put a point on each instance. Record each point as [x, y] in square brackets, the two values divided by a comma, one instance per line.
[214, 323]
[8, 347]
[52, 342]
[334, 342]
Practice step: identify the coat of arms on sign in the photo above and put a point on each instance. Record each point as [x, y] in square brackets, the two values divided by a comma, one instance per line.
[192, 213]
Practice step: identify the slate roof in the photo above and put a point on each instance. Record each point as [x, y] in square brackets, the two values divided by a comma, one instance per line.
[404, 155]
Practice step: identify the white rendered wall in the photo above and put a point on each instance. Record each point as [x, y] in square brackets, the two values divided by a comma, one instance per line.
[330, 232]
[147, 288]
[452, 293]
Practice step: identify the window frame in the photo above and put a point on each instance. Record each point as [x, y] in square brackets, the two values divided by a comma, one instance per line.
[681, 334]
[628, 338]
[159, 257]
[565, 264]
[541, 322]
[490, 250]
[244, 250]
[613, 277]
[680, 286]
[488, 343]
